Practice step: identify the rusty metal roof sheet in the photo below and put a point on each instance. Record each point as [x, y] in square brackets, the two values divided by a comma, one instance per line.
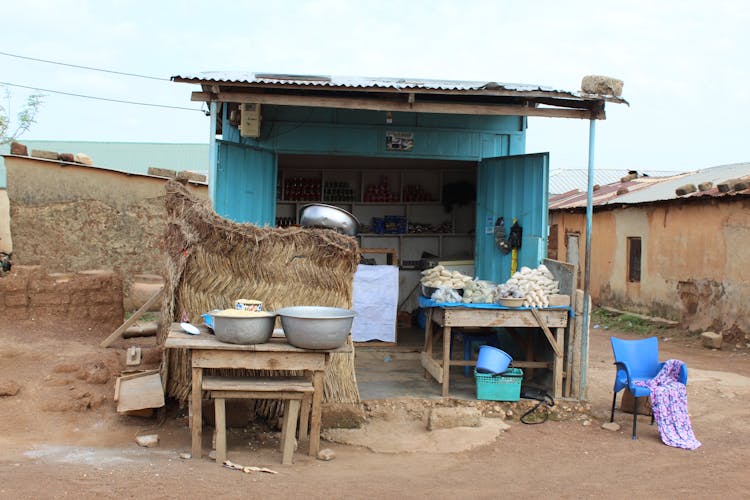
[656, 189]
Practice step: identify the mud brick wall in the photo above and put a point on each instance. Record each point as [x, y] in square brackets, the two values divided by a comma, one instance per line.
[68, 218]
[92, 299]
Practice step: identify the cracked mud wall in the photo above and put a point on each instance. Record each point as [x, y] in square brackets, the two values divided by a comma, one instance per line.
[70, 218]
[694, 267]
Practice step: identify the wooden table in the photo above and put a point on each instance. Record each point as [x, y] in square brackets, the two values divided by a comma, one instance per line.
[448, 317]
[277, 355]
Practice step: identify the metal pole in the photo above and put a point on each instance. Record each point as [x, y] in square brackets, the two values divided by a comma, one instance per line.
[587, 265]
[212, 166]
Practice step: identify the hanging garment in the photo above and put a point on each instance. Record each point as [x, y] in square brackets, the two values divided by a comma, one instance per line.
[669, 404]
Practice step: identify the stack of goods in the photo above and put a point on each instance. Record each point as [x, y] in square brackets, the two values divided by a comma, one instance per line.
[443, 285]
[478, 292]
[533, 285]
[285, 221]
[418, 227]
[302, 189]
[394, 224]
[381, 192]
[415, 192]
[338, 192]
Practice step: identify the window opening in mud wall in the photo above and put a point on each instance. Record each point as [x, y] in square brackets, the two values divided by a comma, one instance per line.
[634, 260]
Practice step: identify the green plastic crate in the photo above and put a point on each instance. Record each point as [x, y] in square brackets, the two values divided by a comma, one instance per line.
[503, 387]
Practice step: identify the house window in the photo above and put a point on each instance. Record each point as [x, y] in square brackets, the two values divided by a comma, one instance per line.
[634, 260]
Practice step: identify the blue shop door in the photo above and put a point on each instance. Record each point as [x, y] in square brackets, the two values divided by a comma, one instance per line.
[511, 186]
[246, 184]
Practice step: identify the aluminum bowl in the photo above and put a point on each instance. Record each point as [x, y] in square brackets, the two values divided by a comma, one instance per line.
[316, 327]
[328, 216]
[234, 329]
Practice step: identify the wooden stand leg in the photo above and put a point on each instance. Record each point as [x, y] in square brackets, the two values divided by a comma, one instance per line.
[284, 422]
[291, 411]
[557, 366]
[427, 348]
[221, 430]
[446, 358]
[196, 422]
[317, 400]
[304, 418]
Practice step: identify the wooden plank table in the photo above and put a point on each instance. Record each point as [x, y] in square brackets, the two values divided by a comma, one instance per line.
[449, 317]
[208, 352]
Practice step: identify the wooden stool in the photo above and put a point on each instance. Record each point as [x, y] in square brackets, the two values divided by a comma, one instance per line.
[290, 389]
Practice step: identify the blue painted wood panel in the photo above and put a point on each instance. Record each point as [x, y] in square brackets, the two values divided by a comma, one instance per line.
[246, 184]
[295, 130]
[511, 186]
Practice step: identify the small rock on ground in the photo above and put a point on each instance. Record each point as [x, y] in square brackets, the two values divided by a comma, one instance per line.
[611, 426]
[185, 456]
[148, 440]
[326, 454]
[9, 388]
[448, 418]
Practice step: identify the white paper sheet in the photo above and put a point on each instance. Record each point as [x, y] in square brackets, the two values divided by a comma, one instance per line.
[375, 301]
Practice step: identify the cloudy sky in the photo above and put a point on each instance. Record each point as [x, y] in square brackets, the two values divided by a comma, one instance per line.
[684, 63]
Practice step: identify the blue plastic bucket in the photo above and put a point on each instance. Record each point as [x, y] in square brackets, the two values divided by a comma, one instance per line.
[492, 360]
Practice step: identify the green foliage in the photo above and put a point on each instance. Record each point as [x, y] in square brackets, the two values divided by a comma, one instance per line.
[11, 130]
[623, 322]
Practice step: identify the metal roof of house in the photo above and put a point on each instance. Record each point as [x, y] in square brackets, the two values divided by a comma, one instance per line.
[657, 189]
[388, 93]
[572, 179]
[361, 82]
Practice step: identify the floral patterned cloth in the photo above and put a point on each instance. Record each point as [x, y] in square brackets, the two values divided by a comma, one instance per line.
[669, 404]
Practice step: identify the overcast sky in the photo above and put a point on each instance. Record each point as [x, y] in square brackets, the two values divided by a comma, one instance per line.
[685, 64]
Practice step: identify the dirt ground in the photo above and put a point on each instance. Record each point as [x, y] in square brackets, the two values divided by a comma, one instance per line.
[61, 437]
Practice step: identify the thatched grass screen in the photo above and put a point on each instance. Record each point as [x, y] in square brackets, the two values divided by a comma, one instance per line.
[212, 261]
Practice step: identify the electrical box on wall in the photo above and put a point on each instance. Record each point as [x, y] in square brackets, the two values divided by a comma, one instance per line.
[250, 120]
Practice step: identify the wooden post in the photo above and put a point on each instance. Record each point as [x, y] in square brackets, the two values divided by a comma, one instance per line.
[446, 359]
[196, 423]
[221, 430]
[316, 413]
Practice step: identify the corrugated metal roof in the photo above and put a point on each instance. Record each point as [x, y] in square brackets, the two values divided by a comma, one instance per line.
[572, 179]
[355, 81]
[666, 190]
[361, 82]
[654, 189]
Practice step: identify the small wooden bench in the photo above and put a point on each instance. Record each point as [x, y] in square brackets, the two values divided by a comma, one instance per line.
[293, 390]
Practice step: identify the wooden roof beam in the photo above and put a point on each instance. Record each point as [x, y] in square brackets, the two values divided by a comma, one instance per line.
[397, 105]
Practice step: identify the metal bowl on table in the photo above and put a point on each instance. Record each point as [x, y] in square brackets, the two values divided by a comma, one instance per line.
[328, 216]
[243, 327]
[316, 327]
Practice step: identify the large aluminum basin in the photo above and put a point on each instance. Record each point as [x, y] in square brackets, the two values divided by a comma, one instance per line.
[316, 327]
[234, 329]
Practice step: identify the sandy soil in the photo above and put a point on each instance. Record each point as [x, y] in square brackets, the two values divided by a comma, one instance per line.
[61, 437]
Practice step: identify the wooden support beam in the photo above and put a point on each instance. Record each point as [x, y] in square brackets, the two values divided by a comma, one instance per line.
[432, 367]
[547, 333]
[396, 105]
[145, 307]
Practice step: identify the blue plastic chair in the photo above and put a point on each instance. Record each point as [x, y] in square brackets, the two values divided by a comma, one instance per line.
[637, 360]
